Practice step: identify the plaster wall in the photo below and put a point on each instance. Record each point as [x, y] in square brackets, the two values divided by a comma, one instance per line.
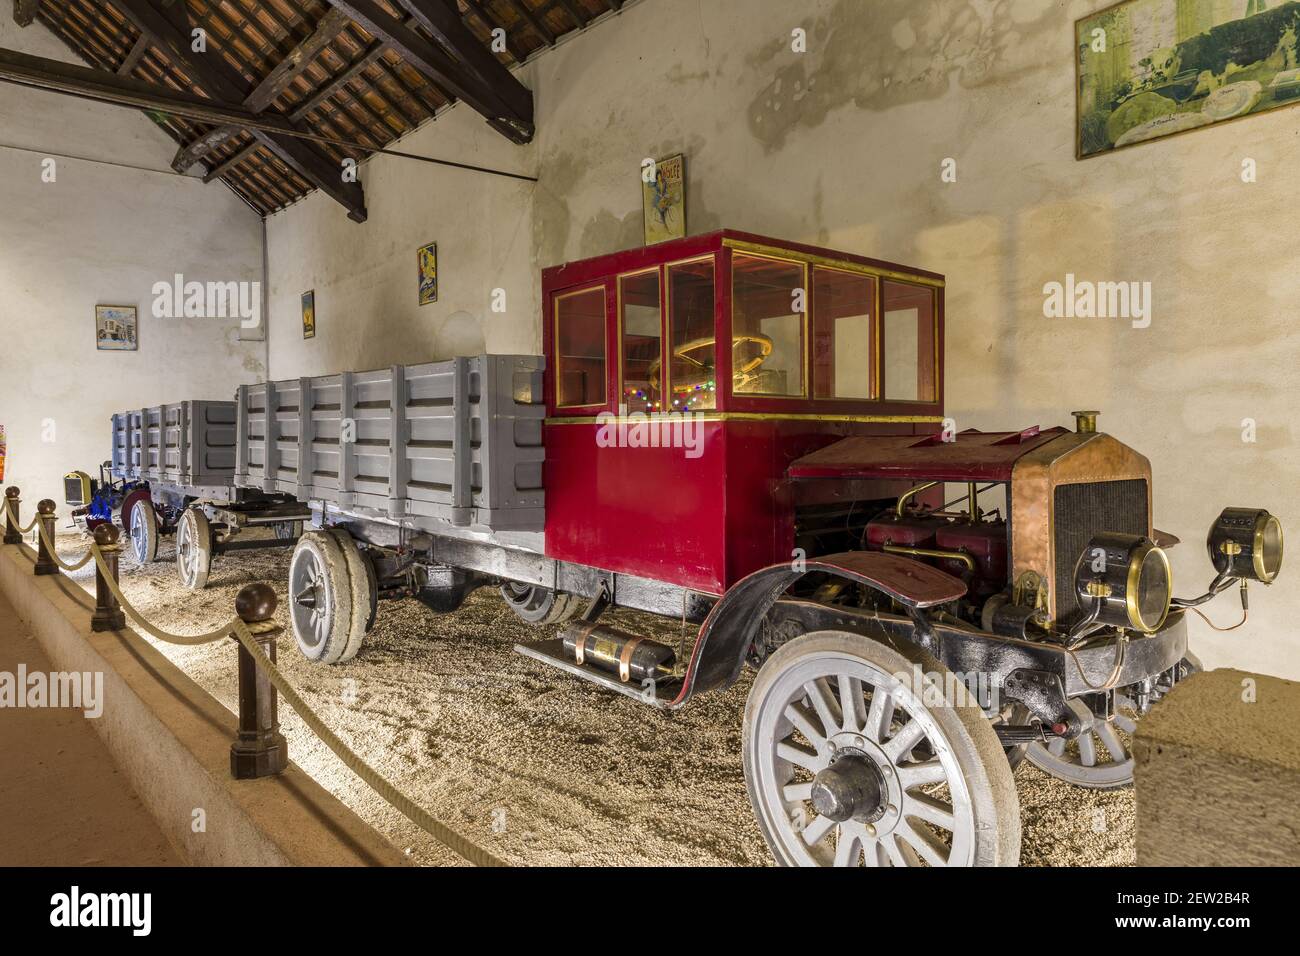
[102, 235]
[844, 145]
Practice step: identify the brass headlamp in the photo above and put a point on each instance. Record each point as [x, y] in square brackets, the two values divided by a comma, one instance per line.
[1246, 543]
[1123, 580]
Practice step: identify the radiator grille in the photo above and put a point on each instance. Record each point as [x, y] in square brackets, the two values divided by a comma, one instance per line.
[1082, 510]
[74, 492]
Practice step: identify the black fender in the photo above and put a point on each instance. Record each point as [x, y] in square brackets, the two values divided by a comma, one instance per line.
[729, 630]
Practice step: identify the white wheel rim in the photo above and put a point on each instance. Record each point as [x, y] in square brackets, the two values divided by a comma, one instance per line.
[310, 600]
[139, 533]
[1099, 757]
[802, 725]
[187, 549]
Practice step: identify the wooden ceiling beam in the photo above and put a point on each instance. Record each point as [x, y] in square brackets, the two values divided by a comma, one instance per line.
[134, 57]
[438, 66]
[538, 27]
[169, 30]
[25, 12]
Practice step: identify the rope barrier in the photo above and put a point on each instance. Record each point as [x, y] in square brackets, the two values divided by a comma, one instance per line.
[240, 631]
[9, 510]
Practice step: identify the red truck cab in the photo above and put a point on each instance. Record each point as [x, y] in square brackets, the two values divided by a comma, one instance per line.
[667, 455]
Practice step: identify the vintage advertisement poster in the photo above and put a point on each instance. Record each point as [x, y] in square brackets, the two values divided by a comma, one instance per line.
[427, 257]
[663, 189]
[115, 327]
[309, 314]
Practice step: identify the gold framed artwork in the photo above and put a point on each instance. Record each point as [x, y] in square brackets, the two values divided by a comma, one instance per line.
[1153, 68]
[309, 314]
[115, 328]
[427, 263]
[663, 199]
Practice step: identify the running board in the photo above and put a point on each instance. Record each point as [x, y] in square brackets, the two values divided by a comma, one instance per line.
[660, 695]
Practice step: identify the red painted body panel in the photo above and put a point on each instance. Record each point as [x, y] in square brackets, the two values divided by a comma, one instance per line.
[705, 522]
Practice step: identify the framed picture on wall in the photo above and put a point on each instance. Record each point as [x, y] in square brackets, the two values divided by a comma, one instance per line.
[1152, 68]
[309, 314]
[115, 328]
[663, 199]
[427, 260]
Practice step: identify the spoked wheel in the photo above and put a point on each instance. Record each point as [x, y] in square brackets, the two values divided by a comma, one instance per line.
[288, 530]
[1100, 758]
[538, 605]
[320, 598]
[194, 549]
[144, 531]
[852, 757]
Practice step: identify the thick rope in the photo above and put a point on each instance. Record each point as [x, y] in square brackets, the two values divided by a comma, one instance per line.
[9, 511]
[418, 815]
[237, 629]
[54, 555]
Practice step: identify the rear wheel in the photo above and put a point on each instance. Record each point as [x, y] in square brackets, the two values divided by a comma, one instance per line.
[364, 598]
[194, 549]
[854, 757]
[538, 605]
[320, 598]
[144, 530]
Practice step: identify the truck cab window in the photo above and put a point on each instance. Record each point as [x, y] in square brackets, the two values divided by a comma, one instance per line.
[767, 332]
[580, 348]
[642, 340]
[844, 307]
[909, 343]
[691, 379]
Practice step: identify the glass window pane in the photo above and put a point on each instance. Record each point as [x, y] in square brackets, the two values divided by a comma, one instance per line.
[691, 316]
[642, 356]
[767, 355]
[909, 341]
[844, 306]
[580, 348]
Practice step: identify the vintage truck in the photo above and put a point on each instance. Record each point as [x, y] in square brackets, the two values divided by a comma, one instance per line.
[923, 605]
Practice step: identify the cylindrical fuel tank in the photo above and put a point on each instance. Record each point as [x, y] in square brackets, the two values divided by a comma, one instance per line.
[986, 543]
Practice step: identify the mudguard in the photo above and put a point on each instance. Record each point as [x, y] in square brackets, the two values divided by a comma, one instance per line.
[729, 630]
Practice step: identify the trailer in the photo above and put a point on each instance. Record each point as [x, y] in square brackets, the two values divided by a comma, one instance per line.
[174, 466]
[749, 436]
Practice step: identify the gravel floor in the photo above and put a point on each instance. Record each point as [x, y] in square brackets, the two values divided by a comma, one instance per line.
[540, 767]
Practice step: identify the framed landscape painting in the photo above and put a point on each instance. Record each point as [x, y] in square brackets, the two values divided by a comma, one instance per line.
[1152, 68]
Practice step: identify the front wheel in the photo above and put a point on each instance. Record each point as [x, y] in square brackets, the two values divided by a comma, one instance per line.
[194, 549]
[854, 757]
[144, 530]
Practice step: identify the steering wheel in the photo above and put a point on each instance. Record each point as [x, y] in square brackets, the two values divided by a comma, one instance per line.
[742, 374]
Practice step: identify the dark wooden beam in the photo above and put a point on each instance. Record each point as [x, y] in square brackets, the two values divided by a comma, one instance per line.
[438, 66]
[574, 13]
[134, 57]
[540, 28]
[297, 62]
[169, 29]
[442, 19]
[25, 12]
[492, 23]
[218, 171]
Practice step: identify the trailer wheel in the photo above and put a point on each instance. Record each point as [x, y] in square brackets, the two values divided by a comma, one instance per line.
[538, 605]
[364, 599]
[852, 756]
[144, 530]
[320, 598]
[194, 549]
[288, 530]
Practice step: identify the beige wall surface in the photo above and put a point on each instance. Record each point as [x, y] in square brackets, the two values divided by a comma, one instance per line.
[844, 145]
[102, 235]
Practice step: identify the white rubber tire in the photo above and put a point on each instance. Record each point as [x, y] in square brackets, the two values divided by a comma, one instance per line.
[322, 637]
[359, 589]
[144, 540]
[194, 549]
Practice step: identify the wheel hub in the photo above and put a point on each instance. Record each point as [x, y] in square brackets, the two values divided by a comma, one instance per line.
[850, 788]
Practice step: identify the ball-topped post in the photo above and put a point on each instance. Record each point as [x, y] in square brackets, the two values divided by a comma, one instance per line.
[108, 614]
[259, 750]
[45, 563]
[13, 497]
